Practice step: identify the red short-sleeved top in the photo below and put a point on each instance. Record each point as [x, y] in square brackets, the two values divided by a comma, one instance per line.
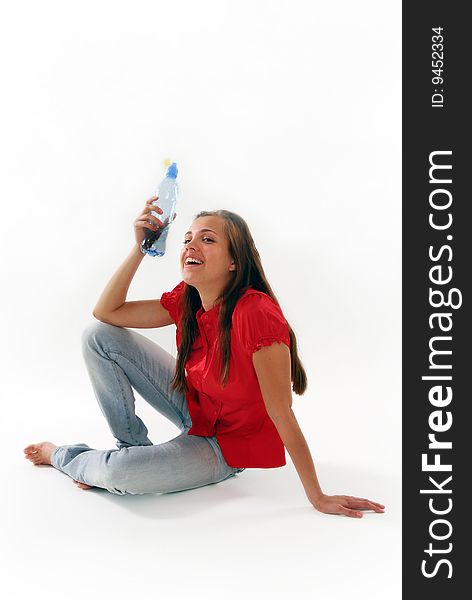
[236, 414]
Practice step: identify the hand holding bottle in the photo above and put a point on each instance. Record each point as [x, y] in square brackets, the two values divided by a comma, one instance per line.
[146, 221]
[154, 242]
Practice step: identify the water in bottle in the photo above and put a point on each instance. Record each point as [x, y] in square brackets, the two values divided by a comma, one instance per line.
[154, 243]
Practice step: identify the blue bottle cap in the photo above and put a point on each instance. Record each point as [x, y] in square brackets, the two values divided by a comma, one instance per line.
[172, 171]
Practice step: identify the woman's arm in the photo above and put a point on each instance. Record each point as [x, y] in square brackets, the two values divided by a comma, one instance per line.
[116, 290]
[112, 307]
[272, 366]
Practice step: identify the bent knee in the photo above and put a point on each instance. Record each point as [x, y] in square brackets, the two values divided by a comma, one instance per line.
[96, 331]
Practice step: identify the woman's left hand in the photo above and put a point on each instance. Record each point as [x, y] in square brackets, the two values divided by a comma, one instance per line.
[345, 505]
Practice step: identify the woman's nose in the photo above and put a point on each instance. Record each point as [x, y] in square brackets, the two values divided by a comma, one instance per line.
[191, 245]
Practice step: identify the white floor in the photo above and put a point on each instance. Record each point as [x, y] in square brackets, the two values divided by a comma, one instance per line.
[253, 536]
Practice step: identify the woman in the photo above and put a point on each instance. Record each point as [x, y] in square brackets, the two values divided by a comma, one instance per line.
[228, 391]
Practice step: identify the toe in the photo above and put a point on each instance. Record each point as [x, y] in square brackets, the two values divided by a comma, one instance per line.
[83, 486]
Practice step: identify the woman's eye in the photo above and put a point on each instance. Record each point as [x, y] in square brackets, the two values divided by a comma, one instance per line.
[205, 238]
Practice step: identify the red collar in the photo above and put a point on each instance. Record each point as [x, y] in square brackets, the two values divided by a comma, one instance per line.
[213, 313]
[208, 314]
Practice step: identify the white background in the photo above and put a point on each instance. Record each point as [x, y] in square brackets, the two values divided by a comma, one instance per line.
[287, 113]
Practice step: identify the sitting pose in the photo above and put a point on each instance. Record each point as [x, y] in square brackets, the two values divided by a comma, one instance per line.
[229, 391]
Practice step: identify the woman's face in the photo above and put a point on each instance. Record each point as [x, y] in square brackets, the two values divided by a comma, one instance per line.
[205, 240]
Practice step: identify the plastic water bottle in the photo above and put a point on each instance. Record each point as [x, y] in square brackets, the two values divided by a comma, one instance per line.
[167, 193]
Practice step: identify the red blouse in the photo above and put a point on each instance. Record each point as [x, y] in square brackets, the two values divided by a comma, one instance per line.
[236, 414]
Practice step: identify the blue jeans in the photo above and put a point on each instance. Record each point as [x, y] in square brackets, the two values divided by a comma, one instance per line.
[117, 360]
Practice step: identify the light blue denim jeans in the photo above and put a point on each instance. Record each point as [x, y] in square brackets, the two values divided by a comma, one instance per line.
[118, 360]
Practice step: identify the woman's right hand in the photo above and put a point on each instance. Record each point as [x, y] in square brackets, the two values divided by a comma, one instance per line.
[345, 505]
[142, 225]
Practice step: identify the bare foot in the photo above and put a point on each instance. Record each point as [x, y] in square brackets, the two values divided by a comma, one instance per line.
[39, 454]
[83, 486]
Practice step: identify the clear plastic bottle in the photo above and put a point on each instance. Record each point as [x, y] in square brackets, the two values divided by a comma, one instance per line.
[167, 194]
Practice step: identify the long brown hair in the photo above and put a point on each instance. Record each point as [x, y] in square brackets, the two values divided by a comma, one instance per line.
[248, 274]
